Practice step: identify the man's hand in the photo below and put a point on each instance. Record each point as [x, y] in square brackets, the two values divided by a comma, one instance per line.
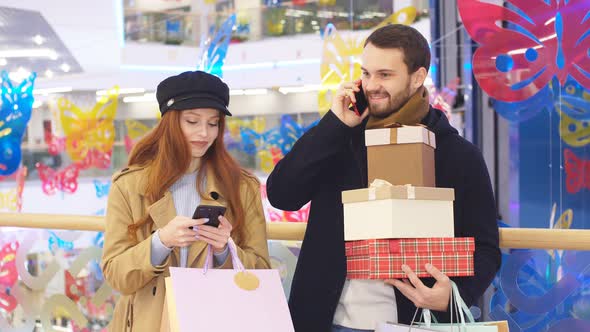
[435, 298]
[342, 99]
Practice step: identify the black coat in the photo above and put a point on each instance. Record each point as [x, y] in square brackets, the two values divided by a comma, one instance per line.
[331, 158]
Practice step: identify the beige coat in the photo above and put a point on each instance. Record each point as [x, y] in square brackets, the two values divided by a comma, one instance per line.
[126, 264]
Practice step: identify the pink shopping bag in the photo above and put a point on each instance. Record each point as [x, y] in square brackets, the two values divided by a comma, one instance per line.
[226, 300]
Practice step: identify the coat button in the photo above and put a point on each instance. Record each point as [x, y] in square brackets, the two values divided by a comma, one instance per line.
[128, 323]
[154, 291]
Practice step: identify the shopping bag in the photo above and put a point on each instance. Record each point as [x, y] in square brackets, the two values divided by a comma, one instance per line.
[221, 300]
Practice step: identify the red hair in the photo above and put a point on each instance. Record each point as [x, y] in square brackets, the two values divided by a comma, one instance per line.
[167, 155]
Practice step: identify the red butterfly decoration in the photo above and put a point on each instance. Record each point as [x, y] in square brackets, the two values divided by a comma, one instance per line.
[8, 272]
[543, 39]
[298, 216]
[96, 158]
[65, 180]
[55, 145]
[74, 287]
[263, 192]
[128, 144]
[577, 172]
[7, 302]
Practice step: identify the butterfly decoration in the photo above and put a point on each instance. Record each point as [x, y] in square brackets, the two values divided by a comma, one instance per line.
[269, 158]
[99, 240]
[282, 137]
[577, 171]
[15, 113]
[572, 99]
[542, 40]
[64, 180]
[234, 126]
[520, 111]
[8, 275]
[291, 131]
[8, 271]
[298, 216]
[572, 103]
[574, 132]
[135, 131]
[445, 98]
[251, 141]
[90, 135]
[12, 200]
[214, 49]
[102, 188]
[54, 242]
[74, 287]
[55, 145]
[100, 212]
[564, 222]
[340, 60]
[273, 214]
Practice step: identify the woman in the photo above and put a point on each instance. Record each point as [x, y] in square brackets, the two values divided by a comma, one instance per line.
[180, 164]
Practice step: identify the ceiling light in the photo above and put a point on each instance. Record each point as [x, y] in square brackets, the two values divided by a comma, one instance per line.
[236, 92]
[255, 92]
[121, 91]
[48, 73]
[38, 39]
[65, 67]
[3, 62]
[297, 89]
[148, 97]
[28, 53]
[19, 75]
[52, 90]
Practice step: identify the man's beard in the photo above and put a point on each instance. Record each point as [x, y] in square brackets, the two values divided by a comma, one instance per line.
[393, 106]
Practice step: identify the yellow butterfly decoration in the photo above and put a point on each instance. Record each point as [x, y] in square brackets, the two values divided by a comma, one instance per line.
[564, 222]
[136, 129]
[341, 56]
[89, 130]
[266, 161]
[9, 200]
[574, 132]
[258, 124]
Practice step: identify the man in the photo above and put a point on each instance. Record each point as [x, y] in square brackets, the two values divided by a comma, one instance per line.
[332, 157]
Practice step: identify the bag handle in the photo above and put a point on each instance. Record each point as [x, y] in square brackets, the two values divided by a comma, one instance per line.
[233, 252]
[455, 302]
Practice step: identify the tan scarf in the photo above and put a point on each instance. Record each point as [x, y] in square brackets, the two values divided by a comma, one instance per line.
[411, 113]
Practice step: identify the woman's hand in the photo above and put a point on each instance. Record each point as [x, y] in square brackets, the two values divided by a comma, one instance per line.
[217, 237]
[177, 232]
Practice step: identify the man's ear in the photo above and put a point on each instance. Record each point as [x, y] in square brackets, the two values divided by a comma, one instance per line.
[419, 77]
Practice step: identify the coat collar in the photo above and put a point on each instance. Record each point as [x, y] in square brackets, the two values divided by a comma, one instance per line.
[163, 210]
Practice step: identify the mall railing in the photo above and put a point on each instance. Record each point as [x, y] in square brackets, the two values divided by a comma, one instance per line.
[523, 238]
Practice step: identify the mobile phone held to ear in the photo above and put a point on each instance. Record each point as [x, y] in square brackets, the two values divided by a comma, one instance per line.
[209, 211]
[361, 102]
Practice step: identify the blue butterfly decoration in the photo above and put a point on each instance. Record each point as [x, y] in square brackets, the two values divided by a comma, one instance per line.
[100, 212]
[572, 99]
[102, 189]
[55, 241]
[524, 110]
[15, 113]
[214, 50]
[283, 137]
[99, 240]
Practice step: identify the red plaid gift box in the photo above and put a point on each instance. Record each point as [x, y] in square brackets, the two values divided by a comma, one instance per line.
[383, 258]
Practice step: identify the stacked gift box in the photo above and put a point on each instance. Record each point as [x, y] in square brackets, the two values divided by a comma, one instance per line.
[402, 218]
